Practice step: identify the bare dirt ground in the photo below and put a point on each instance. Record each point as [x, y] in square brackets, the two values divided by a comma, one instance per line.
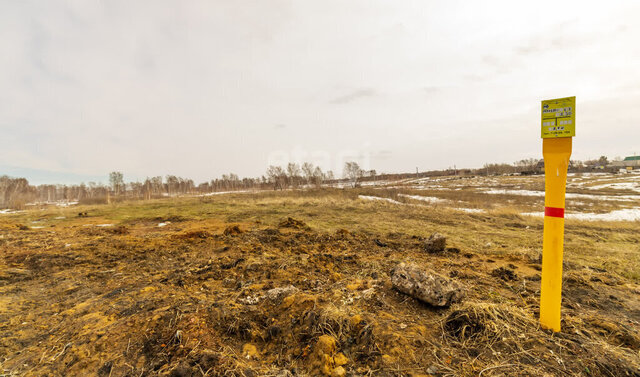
[280, 284]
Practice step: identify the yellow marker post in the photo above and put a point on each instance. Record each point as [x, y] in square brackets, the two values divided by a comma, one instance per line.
[558, 127]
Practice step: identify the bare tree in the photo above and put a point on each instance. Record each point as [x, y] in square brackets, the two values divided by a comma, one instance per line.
[15, 192]
[117, 182]
[172, 184]
[307, 172]
[147, 188]
[317, 176]
[329, 176]
[493, 169]
[353, 172]
[277, 177]
[293, 172]
[528, 164]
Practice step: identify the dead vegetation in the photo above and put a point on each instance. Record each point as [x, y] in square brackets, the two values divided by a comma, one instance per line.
[287, 285]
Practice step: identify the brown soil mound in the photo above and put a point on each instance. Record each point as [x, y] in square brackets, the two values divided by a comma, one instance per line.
[193, 234]
[232, 230]
[293, 223]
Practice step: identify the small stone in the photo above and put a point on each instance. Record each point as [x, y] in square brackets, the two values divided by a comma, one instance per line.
[277, 294]
[178, 336]
[388, 360]
[432, 369]
[250, 351]
[436, 243]
[339, 372]
[426, 285]
[322, 359]
[326, 344]
[340, 359]
[355, 321]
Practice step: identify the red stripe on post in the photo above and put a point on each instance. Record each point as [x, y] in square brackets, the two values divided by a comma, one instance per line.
[554, 212]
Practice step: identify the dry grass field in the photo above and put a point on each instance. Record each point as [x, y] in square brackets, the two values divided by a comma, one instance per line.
[297, 283]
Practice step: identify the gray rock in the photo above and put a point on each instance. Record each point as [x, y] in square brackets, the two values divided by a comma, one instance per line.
[277, 294]
[425, 285]
[432, 369]
[436, 243]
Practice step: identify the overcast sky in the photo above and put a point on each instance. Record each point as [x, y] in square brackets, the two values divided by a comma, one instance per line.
[202, 88]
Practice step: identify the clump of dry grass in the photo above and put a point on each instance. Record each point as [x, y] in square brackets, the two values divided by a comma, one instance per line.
[483, 324]
[503, 339]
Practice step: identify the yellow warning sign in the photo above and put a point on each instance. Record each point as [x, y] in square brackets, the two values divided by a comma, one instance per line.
[559, 117]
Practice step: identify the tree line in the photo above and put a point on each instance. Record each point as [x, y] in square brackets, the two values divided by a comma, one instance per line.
[18, 193]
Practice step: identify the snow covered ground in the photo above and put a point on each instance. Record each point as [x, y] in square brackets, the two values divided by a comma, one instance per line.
[428, 199]
[388, 200]
[627, 214]
[226, 192]
[368, 197]
[602, 188]
[569, 195]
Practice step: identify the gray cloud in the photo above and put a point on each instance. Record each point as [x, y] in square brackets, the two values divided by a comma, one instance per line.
[560, 38]
[183, 87]
[353, 96]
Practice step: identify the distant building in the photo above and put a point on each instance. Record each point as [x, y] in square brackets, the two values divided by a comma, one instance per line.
[631, 161]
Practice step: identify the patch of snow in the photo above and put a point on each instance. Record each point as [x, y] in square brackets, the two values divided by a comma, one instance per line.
[627, 214]
[420, 187]
[60, 217]
[66, 204]
[634, 186]
[428, 199]
[470, 210]
[164, 224]
[225, 192]
[104, 225]
[367, 197]
[590, 174]
[37, 227]
[514, 192]
[8, 211]
[374, 183]
[621, 198]
[59, 203]
[569, 195]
